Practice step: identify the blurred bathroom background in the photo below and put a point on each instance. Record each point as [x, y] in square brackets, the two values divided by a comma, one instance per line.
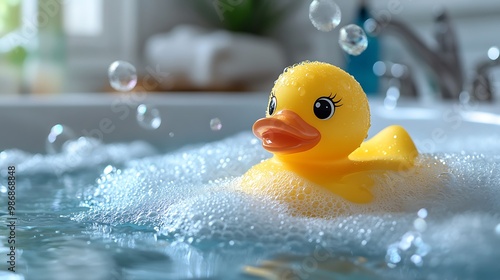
[65, 46]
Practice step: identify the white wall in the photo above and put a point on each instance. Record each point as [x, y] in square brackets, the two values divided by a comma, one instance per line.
[88, 58]
[128, 23]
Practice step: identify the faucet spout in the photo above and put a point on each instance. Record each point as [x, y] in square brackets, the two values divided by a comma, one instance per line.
[444, 60]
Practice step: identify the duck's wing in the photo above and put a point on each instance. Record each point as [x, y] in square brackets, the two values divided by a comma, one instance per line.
[392, 147]
[355, 187]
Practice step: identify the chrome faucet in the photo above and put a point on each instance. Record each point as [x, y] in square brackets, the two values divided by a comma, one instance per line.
[444, 60]
[481, 86]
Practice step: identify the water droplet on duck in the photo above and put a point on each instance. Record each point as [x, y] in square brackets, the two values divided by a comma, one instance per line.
[302, 91]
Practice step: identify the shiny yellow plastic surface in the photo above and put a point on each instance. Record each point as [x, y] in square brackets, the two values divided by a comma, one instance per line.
[316, 121]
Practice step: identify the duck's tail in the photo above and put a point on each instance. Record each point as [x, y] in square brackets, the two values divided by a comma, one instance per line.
[393, 145]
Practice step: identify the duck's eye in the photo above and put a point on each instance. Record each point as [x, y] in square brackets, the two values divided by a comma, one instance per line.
[324, 108]
[272, 105]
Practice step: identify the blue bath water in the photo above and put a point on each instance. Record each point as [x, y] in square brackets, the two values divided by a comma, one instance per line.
[125, 211]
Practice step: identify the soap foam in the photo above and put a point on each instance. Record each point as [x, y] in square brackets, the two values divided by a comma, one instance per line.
[145, 189]
[392, 190]
[82, 153]
[192, 197]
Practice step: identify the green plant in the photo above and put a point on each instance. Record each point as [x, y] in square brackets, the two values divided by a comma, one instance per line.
[248, 16]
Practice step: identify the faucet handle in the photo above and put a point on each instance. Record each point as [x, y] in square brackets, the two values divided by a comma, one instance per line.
[447, 68]
[399, 76]
[447, 44]
[481, 86]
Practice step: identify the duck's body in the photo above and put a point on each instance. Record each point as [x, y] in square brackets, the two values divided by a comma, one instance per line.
[350, 177]
[317, 119]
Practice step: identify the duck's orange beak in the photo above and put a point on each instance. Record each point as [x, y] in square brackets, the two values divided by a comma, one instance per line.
[286, 132]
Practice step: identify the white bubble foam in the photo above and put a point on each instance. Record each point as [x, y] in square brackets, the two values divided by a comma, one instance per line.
[192, 198]
[143, 192]
[78, 154]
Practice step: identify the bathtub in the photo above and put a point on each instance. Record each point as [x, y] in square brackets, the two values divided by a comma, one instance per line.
[51, 232]
[26, 120]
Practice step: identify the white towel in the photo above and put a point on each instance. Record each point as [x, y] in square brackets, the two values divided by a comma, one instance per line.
[215, 58]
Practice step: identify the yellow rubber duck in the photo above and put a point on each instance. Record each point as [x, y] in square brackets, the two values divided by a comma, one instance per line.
[315, 124]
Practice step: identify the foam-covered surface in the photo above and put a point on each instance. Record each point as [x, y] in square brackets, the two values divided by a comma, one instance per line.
[191, 199]
[145, 190]
[78, 154]
[181, 215]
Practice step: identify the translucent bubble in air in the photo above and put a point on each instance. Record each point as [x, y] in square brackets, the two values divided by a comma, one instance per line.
[325, 15]
[353, 39]
[58, 137]
[493, 53]
[215, 124]
[148, 117]
[122, 75]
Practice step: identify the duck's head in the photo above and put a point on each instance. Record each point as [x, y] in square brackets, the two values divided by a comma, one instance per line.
[316, 111]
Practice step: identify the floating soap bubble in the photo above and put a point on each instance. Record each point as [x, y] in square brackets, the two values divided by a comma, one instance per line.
[379, 68]
[58, 137]
[148, 117]
[493, 53]
[324, 14]
[122, 75]
[353, 39]
[370, 25]
[215, 124]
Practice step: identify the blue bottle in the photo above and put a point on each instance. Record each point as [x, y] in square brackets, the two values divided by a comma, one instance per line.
[361, 66]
